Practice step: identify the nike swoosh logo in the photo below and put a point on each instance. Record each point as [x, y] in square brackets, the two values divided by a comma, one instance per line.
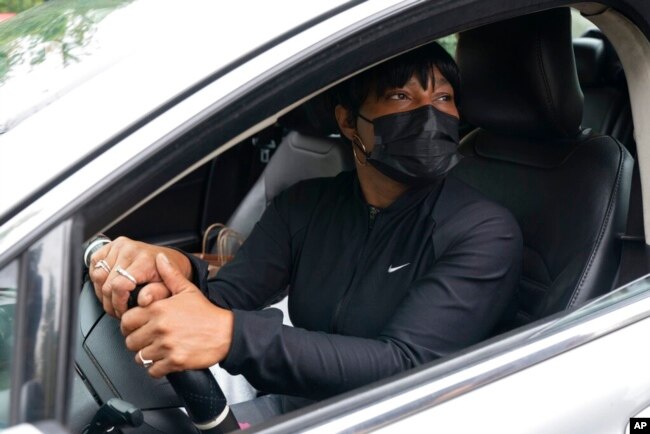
[391, 268]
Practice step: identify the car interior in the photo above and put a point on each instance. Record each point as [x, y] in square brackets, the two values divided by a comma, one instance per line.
[548, 134]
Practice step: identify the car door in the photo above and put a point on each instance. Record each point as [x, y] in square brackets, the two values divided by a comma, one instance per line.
[115, 171]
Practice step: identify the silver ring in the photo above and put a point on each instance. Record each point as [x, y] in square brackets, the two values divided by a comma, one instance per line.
[145, 362]
[122, 272]
[103, 265]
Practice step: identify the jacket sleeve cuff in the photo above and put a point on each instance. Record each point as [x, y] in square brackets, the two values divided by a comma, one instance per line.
[199, 270]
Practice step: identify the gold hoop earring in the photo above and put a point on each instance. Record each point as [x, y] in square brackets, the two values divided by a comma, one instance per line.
[357, 142]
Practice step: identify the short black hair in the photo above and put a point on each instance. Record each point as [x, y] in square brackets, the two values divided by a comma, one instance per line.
[395, 73]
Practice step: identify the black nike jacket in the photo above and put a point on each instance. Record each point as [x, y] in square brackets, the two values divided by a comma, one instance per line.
[370, 295]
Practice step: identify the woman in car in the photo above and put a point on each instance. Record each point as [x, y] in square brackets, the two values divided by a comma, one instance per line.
[388, 267]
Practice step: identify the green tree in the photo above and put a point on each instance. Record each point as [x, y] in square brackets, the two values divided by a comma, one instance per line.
[66, 23]
[16, 6]
[449, 43]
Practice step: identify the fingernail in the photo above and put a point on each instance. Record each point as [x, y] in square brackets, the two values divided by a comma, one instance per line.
[146, 299]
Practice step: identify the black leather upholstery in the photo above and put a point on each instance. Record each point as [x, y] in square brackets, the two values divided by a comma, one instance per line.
[607, 105]
[519, 76]
[567, 188]
[590, 60]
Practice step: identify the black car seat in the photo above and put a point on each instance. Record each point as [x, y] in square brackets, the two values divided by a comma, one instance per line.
[568, 188]
[608, 111]
[606, 101]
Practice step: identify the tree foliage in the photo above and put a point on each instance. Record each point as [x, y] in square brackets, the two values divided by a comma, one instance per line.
[449, 43]
[65, 24]
[16, 6]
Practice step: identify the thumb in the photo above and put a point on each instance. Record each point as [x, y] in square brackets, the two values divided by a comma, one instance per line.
[171, 275]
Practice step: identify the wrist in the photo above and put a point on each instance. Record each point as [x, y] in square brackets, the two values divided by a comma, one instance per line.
[229, 327]
[223, 333]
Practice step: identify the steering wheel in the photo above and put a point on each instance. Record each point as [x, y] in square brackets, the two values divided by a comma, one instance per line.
[204, 400]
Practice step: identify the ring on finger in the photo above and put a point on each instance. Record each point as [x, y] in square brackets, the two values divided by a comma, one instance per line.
[146, 363]
[103, 265]
[122, 272]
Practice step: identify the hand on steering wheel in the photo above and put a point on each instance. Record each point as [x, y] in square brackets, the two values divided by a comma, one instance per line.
[119, 266]
[203, 399]
[183, 332]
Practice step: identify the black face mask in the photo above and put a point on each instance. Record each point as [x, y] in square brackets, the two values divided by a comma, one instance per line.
[416, 146]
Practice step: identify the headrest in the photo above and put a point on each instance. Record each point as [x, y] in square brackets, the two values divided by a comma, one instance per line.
[590, 60]
[519, 76]
[313, 118]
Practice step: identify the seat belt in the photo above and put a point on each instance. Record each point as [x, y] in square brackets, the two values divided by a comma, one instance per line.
[634, 251]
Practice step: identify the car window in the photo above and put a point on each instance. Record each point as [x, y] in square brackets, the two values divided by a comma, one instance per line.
[8, 285]
[449, 43]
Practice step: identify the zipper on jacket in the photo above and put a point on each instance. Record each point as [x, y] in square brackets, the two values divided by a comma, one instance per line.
[372, 218]
[372, 215]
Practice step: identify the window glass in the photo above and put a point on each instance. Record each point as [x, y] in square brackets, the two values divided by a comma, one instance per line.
[449, 43]
[8, 285]
[51, 36]
[47, 50]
